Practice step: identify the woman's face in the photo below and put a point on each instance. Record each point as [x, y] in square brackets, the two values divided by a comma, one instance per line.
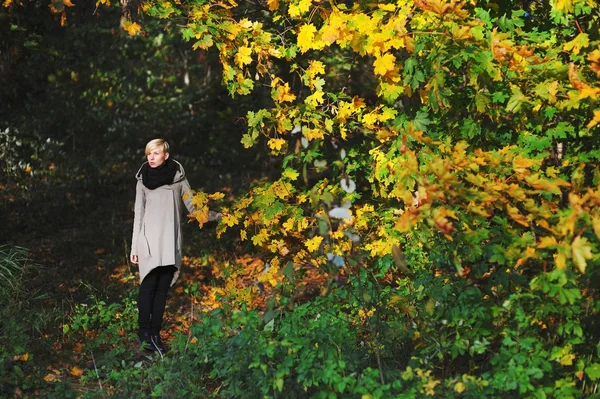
[157, 157]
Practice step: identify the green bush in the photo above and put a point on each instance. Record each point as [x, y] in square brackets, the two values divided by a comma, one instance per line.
[18, 320]
[430, 334]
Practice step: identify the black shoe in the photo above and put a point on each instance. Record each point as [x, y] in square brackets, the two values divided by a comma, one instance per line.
[158, 344]
[145, 340]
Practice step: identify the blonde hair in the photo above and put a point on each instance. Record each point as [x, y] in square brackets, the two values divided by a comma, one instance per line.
[152, 144]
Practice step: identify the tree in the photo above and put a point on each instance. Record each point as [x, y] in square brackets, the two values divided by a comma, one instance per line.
[466, 128]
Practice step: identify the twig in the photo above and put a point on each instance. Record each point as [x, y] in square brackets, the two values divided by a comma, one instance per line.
[190, 327]
[578, 27]
[96, 369]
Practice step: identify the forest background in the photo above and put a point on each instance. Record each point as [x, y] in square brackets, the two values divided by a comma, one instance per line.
[410, 193]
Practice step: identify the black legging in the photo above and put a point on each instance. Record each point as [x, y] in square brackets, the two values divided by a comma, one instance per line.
[153, 298]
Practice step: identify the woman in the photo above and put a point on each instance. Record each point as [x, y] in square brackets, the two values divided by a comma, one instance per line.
[161, 190]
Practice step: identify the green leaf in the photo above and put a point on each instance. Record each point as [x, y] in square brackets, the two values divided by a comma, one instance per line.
[516, 100]
[593, 371]
[421, 120]
[499, 97]
[482, 101]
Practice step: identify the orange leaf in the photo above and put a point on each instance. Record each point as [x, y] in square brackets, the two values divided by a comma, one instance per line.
[76, 371]
[132, 28]
[21, 358]
[78, 347]
[595, 120]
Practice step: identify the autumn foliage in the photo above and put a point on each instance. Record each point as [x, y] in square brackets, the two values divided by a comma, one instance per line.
[466, 129]
[439, 180]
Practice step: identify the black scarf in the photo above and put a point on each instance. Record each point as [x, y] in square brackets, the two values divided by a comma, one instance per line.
[156, 177]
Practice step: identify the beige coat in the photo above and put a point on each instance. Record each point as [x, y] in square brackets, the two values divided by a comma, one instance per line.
[157, 223]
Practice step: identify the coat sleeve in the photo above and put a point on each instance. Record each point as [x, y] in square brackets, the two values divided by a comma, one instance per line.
[139, 209]
[187, 196]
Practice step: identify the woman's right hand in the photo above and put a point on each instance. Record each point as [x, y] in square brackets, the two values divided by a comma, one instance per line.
[134, 259]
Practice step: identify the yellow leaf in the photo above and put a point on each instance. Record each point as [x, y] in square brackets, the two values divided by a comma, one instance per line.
[329, 34]
[273, 4]
[306, 37]
[566, 5]
[315, 99]
[7, 3]
[588, 91]
[567, 360]
[290, 174]
[314, 243]
[547, 242]
[520, 164]
[204, 43]
[76, 371]
[581, 40]
[260, 238]
[595, 120]
[229, 220]
[429, 387]
[132, 28]
[514, 213]
[50, 377]
[245, 23]
[387, 7]
[302, 7]
[384, 64]
[460, 387]
[201, 215]
[216, 196]
[312, 134]
[315, 68]
[288, 225]
[282, 93]
[276, 144]
[387, 114]
[243, 56]
[561, 260]
[461, 33]
[68, 3]
[370, 119]
[581, 251]
[596, 224]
